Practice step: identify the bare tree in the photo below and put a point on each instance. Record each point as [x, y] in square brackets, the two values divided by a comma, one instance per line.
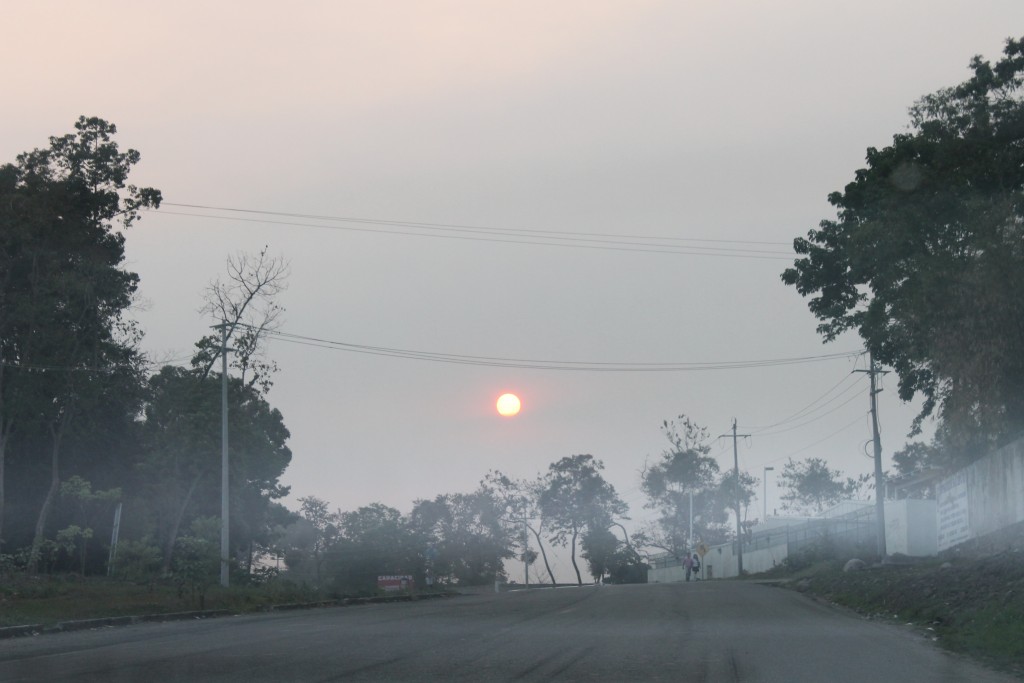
[246, 302]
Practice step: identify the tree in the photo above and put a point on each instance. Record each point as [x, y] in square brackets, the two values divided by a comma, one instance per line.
[468, 535]
[375, 540]
[521, 499]
[316, 532]
[181, 437]
[183, 415]
[926, 257]
[611, 559]
[598, 548]
[246, 302]
[62, 288]
[576, 499]
[684, 472]
[810, 486]
[85, 500]
[726, 492]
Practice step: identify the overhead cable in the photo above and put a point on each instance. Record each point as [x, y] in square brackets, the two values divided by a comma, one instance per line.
[561, 365]
[581, 240]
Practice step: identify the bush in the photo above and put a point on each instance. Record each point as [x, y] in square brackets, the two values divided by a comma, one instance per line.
[137, 561]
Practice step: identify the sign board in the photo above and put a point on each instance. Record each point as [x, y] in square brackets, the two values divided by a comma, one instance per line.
[953, 517]
[394, 582]
[702, 549]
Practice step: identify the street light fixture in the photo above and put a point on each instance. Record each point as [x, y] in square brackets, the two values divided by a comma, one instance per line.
[766, 471]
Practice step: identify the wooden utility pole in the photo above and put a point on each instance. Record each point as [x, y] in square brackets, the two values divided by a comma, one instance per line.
[873, 372]
[879, 475]
[736, 489]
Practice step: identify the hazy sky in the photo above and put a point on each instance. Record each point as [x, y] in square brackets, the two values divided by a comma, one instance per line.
[682, 120]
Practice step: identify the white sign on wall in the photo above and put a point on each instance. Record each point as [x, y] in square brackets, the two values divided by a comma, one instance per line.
[954, 522]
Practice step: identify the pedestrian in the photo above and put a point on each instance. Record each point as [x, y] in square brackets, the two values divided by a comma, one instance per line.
[695, 564]
[688, 564]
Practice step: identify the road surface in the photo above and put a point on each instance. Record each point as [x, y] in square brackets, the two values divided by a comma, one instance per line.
[700, 631]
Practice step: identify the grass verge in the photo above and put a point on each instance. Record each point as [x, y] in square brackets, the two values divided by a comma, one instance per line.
[972, 607]
[49, 600]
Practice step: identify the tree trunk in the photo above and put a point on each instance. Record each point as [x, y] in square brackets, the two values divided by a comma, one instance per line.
[3, 451]
[176, 526]
[579, 578]
[625, 534]
[543, 554]
[6, 425]
[56, 435]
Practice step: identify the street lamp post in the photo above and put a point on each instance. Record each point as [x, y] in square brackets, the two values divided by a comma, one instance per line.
[766, 471]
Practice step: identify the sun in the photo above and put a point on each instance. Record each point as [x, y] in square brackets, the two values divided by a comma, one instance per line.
[508, 405]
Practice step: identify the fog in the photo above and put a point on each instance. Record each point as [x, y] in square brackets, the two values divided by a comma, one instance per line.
[694, 140]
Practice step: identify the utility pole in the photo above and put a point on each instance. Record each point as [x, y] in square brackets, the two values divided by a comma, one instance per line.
[224, 509]
[690, 537]
[736, 474]
[873, 372]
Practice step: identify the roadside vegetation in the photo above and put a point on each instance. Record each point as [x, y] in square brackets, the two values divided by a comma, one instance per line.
[971, 606]
[48, 601]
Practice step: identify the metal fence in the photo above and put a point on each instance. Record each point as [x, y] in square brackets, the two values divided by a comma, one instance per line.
[846, 532]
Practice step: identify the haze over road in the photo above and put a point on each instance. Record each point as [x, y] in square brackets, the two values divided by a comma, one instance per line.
[712, 631]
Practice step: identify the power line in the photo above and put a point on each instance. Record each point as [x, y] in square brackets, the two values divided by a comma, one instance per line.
[825, 438]
[578, 240]
[804, 424]
[812, 406]
[536, 364]
[379, 221]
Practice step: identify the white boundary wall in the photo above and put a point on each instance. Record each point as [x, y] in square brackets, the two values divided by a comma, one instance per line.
[982, 498]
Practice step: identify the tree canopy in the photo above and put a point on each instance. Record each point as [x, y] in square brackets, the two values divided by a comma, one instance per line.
[64, 346]
[809, 486]
[578, 500]
[684, 471]
[925, 259]
[80, 408]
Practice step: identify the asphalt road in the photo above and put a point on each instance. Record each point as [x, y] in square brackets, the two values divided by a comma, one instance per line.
[708, 631]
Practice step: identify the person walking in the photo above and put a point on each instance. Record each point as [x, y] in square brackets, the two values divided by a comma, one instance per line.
[688, 565]
[695, 566]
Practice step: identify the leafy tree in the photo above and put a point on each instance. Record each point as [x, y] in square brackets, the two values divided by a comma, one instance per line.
[925, 259]
[521, 499]
[183, 416]
[197, 559]
[577, 499]
[182, 437]
[86, 502]
[468, 534]
[375, 540]
[684, 470]
[314, 533]
[62, 288]
[726, 492]
[810, 486]
[598, 548]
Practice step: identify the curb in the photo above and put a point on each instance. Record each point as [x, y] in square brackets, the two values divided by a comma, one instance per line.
[24, 630]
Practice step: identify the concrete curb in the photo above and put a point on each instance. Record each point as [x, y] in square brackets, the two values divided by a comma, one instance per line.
[85, 624]
[24, 630]
[110, 622]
